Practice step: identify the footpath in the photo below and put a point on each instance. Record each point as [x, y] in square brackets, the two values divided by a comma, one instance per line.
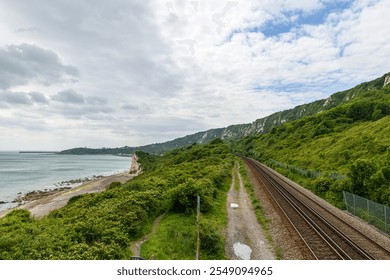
[245, 239]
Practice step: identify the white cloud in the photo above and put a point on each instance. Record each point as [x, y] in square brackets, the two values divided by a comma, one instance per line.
[69, 96]
[25, 63]
[15, 98]
[38, 97]
[135, 72]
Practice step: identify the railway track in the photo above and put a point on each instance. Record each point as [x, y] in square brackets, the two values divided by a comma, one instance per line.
[327, 236]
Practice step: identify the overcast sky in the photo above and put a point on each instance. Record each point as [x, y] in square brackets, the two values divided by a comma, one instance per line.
[110, 73]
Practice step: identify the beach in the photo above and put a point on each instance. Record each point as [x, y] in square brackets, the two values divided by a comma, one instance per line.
[43, 205]
[24, 176]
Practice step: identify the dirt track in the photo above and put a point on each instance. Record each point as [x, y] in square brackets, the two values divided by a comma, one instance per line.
[245, 238]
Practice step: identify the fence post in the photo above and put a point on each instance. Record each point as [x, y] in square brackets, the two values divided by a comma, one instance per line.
[345, 200]
[197, 228]
[368, 210]
[385, 207]
[354, 204]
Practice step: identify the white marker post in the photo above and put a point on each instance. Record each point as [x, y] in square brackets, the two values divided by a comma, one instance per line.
[197, 226]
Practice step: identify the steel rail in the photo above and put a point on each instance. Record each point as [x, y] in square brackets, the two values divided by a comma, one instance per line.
[310, 225]
[346, 225]
[307, 212]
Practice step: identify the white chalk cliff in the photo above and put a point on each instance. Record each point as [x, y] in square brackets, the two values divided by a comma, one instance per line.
[387, 81]
[135, 166]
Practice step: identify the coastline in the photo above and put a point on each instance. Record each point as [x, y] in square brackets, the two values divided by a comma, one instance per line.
[37, 174]
[58, 187]
[41, 205]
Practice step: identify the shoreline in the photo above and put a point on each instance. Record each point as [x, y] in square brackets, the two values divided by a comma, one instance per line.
[41, 202]
[26, 176]
[41, 192]
[30, 196]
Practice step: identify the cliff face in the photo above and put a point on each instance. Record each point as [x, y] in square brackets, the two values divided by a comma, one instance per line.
[135, 168]
[387, 81]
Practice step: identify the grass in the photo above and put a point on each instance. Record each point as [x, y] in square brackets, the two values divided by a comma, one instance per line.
[175, 239]
[236, 180]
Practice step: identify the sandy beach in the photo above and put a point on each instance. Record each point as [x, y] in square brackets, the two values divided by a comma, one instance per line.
[43, 206]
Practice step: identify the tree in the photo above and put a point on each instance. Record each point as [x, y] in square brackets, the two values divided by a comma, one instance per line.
[360, 111]
[360, 175]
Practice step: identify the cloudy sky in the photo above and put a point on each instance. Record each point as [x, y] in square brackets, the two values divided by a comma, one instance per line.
[110, 73]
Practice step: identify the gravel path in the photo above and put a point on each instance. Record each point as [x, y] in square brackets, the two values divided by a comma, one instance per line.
[245, 238]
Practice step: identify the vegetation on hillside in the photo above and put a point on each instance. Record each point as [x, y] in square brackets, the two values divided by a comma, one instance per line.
[343, 148]
[102, 225]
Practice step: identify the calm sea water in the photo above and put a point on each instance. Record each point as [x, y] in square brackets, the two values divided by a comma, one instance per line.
[21, 173]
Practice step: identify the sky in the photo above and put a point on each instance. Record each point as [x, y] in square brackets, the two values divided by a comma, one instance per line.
[113, 73]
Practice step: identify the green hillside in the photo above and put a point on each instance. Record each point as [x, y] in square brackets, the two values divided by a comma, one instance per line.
[343, 148]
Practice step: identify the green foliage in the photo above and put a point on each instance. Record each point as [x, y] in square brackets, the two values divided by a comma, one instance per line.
[216, 141]
[175, 239]
[360, 175]
[102, 225]
[211, 241]
[360, 111]
[322, 186]
[184, 196]
[147, 161]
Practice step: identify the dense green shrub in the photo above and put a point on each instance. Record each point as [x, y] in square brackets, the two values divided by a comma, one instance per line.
[360, 175]
[211, 242]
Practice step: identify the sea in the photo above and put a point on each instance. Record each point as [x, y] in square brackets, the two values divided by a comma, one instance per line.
[21, 173]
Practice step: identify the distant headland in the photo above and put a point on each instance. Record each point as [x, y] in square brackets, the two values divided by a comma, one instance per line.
[38, 152]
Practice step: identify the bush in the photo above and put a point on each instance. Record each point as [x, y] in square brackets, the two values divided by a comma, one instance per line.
[360, 111]
[322, 185]
[17, 216]
[211, 242]
[360, 175]
[114, 185]
[185, 196]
